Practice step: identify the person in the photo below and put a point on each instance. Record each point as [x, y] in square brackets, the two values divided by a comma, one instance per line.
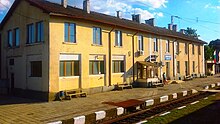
[164, 78]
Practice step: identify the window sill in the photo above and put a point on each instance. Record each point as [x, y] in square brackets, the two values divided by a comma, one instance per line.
[69, 43]
[118, 46]
[119, 73]
[68, 77]
[14, 47]
[97, 75]
[32, 44]
[97, 45]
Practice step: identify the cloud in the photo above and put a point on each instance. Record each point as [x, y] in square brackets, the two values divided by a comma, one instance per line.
[5, 5]
[210, 6]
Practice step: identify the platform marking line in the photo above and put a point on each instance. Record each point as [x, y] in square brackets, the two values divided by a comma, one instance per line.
[142, 122]
[166, 113]
[194, 102]
[181, 107]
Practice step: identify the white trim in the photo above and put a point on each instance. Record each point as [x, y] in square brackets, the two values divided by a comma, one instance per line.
[79, 120]
[97, 57]
[120, 111]
[97, 75]
[64, 77]
[66, 57]
[57, 122]
[184, 93]
[100, 115]
[118, 57]
[149, 102]
[164, 98]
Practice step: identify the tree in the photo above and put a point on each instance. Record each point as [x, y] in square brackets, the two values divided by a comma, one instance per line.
[209, 52]
[191, 32]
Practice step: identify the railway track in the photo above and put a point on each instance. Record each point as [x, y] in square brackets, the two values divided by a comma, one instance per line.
[144, 114]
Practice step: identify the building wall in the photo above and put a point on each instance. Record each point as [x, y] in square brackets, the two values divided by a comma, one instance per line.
[22, 55]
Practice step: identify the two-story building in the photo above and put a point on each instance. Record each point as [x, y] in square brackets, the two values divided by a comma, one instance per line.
[48, 47]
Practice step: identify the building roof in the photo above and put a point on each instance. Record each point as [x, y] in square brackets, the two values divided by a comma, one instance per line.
[76, 13]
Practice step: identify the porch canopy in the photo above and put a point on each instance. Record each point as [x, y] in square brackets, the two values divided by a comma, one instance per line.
[146, 70]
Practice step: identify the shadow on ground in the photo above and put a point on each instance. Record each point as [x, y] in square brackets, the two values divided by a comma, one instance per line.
[9, 100]
[207, 115]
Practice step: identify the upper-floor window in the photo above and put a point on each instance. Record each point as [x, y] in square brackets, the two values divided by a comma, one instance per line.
[17, 36]
[155, 44]
[70, 32]
[40, 31]
[97, 36]
[167, 46]
[10, 38]
[141, 42]
[199, 50]
[30, 34]
[118, 38]
[193, 46]
[177, 47]
[186, 48]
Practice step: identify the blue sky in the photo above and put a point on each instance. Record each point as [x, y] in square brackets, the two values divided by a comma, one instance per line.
[202, 15]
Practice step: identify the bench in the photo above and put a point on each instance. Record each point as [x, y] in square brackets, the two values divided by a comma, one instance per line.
[188, 77]
[154, 82]
[123, 86]
[74, 93]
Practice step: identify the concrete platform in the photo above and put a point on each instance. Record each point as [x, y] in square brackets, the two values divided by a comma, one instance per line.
[15, 110]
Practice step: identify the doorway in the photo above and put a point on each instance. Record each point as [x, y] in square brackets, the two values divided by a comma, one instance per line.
[168, 70]
[12, 82]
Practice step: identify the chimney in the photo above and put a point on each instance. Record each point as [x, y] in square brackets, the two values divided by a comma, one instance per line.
[175, 28]
[182, 31]
[86, 6]
[150, 22]
[170, 26]
[118, 14]
[136, 18]
[64, 3]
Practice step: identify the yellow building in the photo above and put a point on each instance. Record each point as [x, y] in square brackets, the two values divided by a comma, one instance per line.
[48, 47]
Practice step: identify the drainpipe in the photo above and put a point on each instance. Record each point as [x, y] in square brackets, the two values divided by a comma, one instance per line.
[161, 58]
[188, 61]
[133, 54]
[110, 55]
[150, 46]
[203, 59]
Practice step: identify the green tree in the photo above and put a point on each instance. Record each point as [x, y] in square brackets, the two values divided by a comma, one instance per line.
[191, 32]
[209, 52]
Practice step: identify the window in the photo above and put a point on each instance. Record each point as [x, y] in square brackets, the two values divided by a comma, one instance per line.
[178, 66]
[118, 38]
[17, 37]
[10, 42]
[96, 67]
[186, 67]
[155, 44]
[117, 66]
[141, 42]
[193, 49]
[69, 68]
[11, 62]
[167, 46]
[30, 34]
[70, 32]
[186, 48]
[40, 31]
[177, 47]
[193, 66]
[199, 50]
[97, 36]
[36, 69]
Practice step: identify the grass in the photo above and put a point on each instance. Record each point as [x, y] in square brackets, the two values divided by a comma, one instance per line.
[176, 114]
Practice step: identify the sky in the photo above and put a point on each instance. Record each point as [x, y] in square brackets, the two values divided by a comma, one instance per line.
[202, 15]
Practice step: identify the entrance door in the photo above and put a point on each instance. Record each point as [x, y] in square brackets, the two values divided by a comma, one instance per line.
[12, 82]
[168, 70]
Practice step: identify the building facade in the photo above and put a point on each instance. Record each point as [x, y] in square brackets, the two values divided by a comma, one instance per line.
[48, 47]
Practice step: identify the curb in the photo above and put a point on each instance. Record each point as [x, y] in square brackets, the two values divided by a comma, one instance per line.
[99, 116]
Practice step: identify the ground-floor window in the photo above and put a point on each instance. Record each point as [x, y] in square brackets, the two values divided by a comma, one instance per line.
[69, 68]
[36, 68]
[178, 66]
[193, 66]
[96, 67]
[117, 66]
